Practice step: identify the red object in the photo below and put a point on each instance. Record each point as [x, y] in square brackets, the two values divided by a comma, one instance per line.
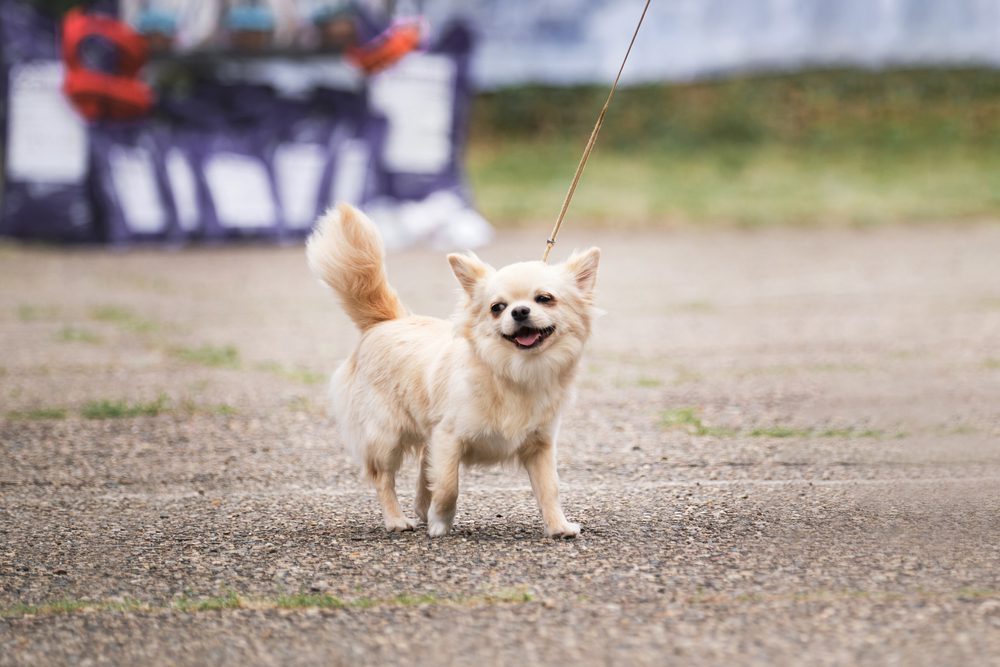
[114, 91]
[387, 48]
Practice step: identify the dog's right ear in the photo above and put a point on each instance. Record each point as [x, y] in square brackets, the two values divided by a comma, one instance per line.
[469, 270]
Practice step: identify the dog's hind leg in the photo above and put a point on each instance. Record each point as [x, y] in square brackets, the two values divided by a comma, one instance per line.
[384, 479]
[423, 500]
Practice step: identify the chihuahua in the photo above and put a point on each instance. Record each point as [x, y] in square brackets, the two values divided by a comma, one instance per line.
[485, 388]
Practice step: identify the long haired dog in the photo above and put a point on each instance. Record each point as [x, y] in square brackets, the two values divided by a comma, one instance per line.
[484, 388]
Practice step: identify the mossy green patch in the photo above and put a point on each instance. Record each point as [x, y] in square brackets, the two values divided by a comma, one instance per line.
[689, 419]
[226, 356]
[309, 601]
[296, 374]
[124, 318]
[112, 409]
[30, 312]
[38, 414]
[71, 334]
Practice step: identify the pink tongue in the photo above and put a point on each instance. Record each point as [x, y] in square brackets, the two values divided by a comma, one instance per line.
[528, 339]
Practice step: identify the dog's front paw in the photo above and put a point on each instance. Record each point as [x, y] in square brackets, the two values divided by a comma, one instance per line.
[400, 524]
[438, 528]
[438, 525]
[563, 531]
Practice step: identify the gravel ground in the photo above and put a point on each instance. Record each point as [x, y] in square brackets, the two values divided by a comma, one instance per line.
[786, 449]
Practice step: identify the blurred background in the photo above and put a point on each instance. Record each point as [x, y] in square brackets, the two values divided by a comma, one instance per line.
[173, 121]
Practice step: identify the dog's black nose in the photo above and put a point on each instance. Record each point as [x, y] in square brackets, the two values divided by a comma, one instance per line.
[520, 313]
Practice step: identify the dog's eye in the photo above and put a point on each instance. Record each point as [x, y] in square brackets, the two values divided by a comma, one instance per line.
[543, 298]
[497, 308]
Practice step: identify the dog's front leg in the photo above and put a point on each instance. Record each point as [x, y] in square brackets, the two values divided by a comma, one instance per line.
[445, 451]
[539, 459]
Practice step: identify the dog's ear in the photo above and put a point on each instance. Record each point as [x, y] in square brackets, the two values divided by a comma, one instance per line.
[582, 266]
[469, 270]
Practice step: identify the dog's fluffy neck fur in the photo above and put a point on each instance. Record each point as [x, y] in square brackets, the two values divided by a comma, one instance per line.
[523, 398]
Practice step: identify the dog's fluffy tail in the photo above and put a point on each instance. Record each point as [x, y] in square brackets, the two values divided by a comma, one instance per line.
[345, 251]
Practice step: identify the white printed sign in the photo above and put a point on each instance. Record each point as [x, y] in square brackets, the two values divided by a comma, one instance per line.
[240, 190]
[134, 180]
[417, 96]
[298, 171]
[184, 190]
[352, 171]
[46, 140]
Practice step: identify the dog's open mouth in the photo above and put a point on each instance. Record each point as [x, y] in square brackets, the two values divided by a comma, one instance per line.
[528, 337]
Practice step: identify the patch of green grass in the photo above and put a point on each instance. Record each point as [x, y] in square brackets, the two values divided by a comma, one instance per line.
[38, 414]
[780, 432]
[649, 382]
[191, 407]
[991, 363]
[303, 375]
[65, 606]
[852, 433]
[691, 307]
[108, 409]
[309, 601]
[228, 601]
[513, 595]
[689, 419]
[830, 147]
[19, 609]
[124, 318]
[209, 355]
[70, 334]
[29, 312]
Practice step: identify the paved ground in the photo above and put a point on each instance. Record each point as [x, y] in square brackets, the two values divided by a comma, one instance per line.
[786, 449]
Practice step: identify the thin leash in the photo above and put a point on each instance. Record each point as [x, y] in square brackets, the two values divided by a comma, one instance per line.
[551, 241]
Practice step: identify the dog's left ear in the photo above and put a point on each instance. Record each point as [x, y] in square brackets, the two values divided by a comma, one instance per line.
[469, 270]
[583, 267]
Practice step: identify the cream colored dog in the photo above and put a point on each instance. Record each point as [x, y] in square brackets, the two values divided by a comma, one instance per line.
[485, 388]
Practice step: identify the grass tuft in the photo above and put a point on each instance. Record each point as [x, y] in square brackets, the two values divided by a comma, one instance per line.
[38, 414]
[309, 601]
[106, 409]
[124, 318]
[303, 375]
[70, 334]
[28, 312]
[209, 355]
[780, 432]
[688, 419]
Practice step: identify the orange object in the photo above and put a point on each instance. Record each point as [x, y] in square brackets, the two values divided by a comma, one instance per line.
[387, 48]
[111, 88]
